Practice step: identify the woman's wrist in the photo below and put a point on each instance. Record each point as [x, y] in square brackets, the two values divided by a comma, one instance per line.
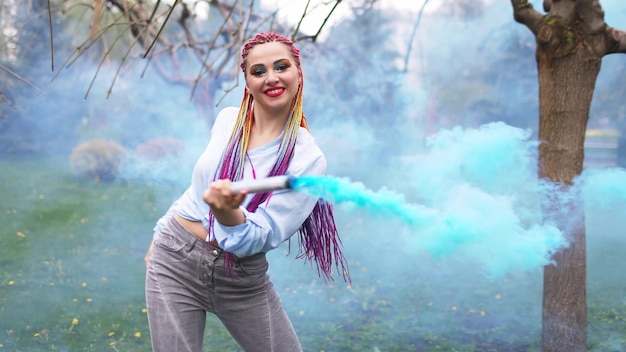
[229, 217]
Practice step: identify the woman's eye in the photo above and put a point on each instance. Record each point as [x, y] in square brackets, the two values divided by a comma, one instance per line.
[258, 72]
[282, 66]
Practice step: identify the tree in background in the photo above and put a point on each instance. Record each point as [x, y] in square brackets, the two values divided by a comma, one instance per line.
[190, 45]
[24, 38]
[194, 44]
[572, 38]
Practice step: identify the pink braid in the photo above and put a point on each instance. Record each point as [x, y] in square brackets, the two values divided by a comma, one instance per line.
[268, 37]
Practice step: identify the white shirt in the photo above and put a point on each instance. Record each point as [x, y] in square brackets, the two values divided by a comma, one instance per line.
[274, 221]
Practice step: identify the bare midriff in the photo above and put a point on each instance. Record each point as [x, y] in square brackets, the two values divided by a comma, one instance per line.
[196, 228]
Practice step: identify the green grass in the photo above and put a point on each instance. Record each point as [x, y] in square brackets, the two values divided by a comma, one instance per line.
[72, 279]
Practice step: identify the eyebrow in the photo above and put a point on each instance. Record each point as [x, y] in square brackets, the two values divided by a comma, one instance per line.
[275, 62]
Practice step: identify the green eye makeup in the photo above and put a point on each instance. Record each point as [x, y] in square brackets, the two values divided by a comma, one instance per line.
[279, 66]
[282, 65]
[258, 70]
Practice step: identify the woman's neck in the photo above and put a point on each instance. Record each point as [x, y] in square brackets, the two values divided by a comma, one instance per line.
[266, 127]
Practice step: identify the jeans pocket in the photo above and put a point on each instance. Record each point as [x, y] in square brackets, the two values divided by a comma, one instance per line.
[252, 266]
[174, 247]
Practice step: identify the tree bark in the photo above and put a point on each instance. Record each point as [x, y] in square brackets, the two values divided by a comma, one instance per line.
[568, 70]
[571, 40]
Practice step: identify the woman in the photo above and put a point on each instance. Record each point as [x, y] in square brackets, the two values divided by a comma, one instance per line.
[209, 250]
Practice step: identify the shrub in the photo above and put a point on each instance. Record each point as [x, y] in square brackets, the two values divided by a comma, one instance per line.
[159, 148]
[98, 159]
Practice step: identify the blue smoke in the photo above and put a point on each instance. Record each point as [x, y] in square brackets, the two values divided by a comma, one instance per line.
[475, 192]
[414, 215]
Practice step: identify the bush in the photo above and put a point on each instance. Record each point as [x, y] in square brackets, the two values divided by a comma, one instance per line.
[159, 148]
[98, 159]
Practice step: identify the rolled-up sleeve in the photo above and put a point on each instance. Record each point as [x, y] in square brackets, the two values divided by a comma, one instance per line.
[267, 227]
[278, 218]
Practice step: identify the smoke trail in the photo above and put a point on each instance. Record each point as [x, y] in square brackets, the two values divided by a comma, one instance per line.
[355, 194]
[477, 194]
[501, 242]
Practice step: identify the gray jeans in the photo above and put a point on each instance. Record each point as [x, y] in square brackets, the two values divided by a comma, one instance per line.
[185, 280]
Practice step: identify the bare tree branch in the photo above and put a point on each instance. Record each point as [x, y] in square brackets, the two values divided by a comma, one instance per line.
[413, 34]
[314, 37]
[104, 57]
[301, 19]
[207, 67]
[615, 41]
[156, 37]
[4, 99]
[86, 45]
[121, 64]
[14, 74]
[51, 36]
[144, 24]
[524, 13]
[154, 11]
[98, 9]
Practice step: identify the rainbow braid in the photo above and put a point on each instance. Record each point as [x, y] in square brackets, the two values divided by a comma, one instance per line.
[319, 240]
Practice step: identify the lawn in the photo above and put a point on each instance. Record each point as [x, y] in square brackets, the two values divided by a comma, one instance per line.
[72, 278]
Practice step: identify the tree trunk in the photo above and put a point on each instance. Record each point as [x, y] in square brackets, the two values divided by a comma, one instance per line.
[567, 77]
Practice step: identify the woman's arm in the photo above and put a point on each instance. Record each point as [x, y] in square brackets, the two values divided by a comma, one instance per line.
[245, 233]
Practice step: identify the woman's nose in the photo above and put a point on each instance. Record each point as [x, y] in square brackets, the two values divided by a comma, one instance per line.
[272, 77]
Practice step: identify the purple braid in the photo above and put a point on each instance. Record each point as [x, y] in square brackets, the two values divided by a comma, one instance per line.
[318, 236]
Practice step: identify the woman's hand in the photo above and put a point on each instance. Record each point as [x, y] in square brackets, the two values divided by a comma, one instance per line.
[219, 196]
[223, 203]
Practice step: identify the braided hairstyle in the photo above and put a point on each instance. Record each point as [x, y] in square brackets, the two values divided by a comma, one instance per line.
[319, 241]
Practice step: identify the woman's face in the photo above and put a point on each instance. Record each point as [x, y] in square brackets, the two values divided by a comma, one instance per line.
[272, 76]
